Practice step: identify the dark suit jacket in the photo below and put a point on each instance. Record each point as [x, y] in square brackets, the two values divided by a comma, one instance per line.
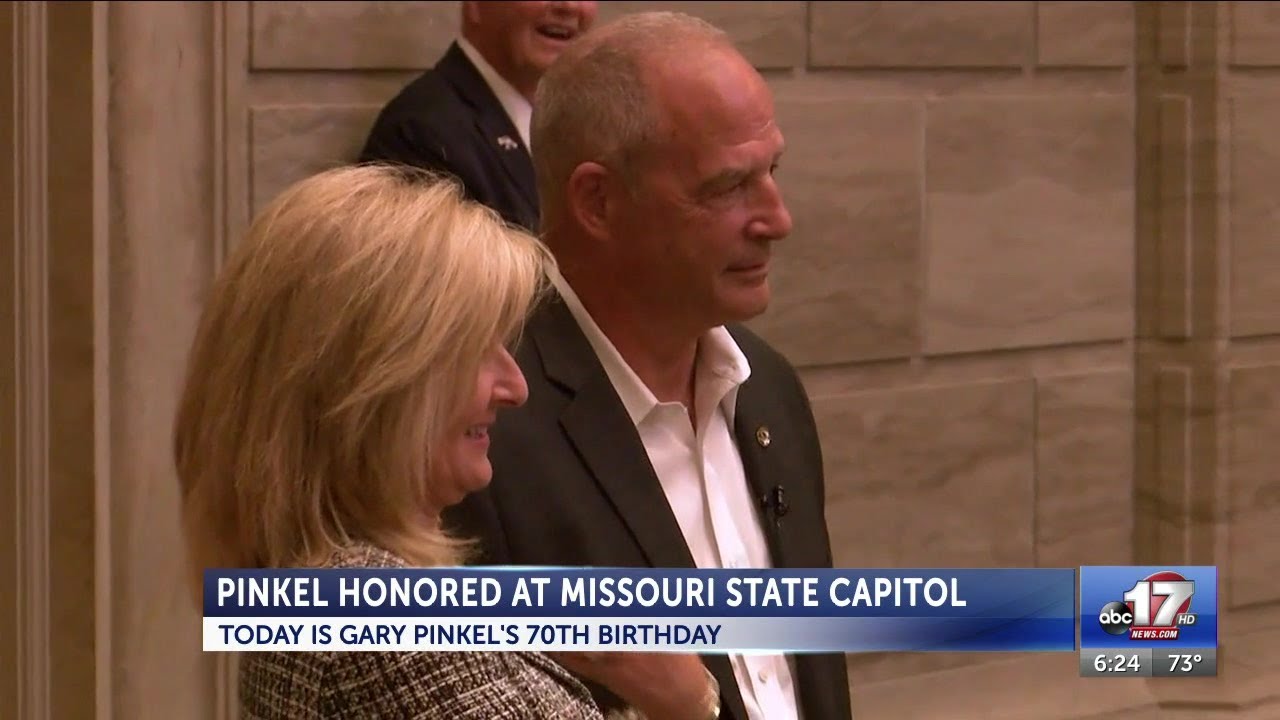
[448, 120]
[573, 484]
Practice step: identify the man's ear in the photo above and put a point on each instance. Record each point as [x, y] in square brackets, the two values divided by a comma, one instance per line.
[588, 198]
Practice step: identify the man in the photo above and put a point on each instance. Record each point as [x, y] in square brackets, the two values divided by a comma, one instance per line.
[658, 431]
[469, 115]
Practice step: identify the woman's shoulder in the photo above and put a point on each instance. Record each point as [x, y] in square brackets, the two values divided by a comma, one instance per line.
[498, 685]
[489, 685]
[364, 555]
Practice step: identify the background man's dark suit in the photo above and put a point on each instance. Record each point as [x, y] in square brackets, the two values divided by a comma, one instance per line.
[573, 484]
[449, 120]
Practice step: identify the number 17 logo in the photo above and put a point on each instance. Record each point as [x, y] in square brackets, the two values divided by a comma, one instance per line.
[1167, 594]
[1174, 600]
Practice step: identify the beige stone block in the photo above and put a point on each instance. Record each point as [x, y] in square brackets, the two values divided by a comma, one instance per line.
[1253, 576]
[1255, 216]
[350, 35]
[846, 283]
[1085, 34]
[1084, 466]
[769, 34]
[920, 34]
[1248, 659]
[930, 476]
[1255, 33]
[1030, 228]
[293, 142]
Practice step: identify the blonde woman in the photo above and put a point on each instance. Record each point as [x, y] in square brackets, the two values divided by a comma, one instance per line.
[351, 358]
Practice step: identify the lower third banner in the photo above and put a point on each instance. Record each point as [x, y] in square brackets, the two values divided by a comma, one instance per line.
[593, 609]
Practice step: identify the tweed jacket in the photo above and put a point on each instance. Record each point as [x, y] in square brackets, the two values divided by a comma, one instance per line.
[407, 686]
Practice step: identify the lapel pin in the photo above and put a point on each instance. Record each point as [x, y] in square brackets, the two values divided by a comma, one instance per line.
[507, 143]
[762, 436]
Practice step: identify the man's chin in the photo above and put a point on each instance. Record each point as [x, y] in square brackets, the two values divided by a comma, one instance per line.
[743, 307]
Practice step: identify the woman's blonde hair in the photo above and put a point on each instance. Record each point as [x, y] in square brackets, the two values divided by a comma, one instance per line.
[338, 343]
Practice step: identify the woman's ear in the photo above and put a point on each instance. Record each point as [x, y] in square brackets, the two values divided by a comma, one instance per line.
[588, 198]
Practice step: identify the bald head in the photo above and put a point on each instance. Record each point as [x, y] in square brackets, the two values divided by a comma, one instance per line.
[608, 97]
[706, 97]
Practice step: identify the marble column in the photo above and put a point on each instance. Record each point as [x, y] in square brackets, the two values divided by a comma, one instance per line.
[54, 440]
[115, 212]
[1208, 329]
[166, 134]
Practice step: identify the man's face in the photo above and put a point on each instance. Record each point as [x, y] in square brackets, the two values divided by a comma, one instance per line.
[697, 232]
[524, 38]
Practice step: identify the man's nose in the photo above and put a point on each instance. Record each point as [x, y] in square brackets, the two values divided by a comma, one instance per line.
[773, 219]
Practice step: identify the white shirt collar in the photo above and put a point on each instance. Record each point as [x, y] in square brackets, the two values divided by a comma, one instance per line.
[722, 366]
[517, 106]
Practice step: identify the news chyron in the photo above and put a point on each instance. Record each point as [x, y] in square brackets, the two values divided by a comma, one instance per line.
[1152, 621]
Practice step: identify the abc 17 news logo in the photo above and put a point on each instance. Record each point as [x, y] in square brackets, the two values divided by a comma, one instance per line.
[1154, 609]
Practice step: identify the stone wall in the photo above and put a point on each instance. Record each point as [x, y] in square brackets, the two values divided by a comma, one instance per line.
[1032, 289]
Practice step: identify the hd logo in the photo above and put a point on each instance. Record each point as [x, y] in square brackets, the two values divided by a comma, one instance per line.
[1154, 609]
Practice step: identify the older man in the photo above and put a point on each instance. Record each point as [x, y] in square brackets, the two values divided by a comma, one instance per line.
[659, 432]
[469, 115]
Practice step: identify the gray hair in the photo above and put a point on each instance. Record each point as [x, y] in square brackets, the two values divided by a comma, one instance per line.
[593, 104]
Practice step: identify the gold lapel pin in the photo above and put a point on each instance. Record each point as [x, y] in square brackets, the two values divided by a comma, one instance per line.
[762, 436]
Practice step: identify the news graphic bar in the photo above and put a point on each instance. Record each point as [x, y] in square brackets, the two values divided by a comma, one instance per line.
[596, 609]
[1146, 663]
[1148, 621]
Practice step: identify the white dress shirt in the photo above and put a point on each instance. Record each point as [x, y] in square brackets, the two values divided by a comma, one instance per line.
[702, 476]
[518, 108]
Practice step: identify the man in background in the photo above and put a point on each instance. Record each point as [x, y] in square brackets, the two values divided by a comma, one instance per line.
[469, 115]
[660, 432]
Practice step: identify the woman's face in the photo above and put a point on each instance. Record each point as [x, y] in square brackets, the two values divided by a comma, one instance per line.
[464, 452]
